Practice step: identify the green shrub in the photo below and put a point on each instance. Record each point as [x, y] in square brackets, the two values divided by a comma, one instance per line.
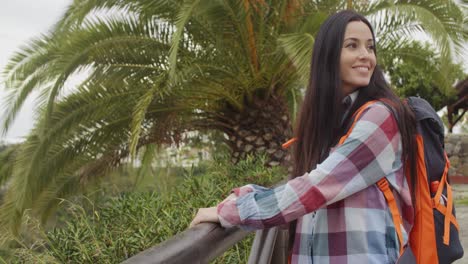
[116, 228]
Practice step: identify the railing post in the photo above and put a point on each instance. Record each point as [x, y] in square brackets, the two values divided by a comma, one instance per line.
[270, 246]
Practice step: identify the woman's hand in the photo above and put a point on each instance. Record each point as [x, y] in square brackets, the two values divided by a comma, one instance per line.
[205, 215]
[209, 214]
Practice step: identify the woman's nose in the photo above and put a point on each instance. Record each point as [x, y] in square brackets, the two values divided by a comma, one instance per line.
[364, 53]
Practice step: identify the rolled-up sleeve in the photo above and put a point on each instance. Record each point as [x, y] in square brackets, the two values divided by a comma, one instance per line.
[366, 156]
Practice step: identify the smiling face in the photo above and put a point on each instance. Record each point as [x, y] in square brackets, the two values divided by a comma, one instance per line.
[357, 60]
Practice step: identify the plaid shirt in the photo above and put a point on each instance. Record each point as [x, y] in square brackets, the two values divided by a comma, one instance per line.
[342, 215]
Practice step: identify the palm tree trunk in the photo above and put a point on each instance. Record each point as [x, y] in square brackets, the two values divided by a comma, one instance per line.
[261, 128]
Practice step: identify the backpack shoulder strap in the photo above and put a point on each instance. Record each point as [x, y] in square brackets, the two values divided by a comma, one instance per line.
[356, 116]
[390, 198]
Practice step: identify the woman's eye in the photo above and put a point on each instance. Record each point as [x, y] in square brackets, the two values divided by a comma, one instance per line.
[352, 45]
[371, 47]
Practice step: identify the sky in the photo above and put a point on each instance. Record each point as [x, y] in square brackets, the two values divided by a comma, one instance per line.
[21, 20]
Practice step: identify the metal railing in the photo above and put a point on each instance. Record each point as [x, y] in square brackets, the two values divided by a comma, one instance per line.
[199, 244]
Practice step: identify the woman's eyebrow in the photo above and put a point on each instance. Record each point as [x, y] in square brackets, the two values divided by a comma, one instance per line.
[356, 39]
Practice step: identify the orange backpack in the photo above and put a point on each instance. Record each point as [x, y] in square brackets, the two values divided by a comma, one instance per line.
[434, 238]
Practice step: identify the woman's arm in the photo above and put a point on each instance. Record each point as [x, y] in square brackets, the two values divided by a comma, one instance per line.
[365, 157]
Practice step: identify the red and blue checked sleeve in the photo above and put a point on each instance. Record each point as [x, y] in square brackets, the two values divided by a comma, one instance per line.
[367, 155]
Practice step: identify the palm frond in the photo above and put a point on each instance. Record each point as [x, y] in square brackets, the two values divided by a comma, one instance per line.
[141, 109]
[298, 47]
[146, 167]
[7, 158]
[441, 20]
[180, 23]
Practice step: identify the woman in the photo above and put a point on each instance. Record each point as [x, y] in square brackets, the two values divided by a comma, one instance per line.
[337, 212]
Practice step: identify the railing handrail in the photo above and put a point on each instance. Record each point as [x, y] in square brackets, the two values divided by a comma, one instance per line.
[199, 244]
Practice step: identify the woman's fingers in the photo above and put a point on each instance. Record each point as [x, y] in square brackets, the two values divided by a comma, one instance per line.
[209, 214]
[196, 220]
[205, 215]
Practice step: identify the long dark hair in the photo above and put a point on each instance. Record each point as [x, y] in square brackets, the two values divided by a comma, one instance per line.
[319, 125]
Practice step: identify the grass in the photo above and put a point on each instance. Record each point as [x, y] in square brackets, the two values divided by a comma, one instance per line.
[111, 228]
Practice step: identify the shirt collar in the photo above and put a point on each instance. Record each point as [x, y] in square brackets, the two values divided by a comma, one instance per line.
[353, 96]
[348, 101]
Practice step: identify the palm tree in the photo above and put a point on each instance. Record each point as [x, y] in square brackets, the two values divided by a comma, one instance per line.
[157, 69]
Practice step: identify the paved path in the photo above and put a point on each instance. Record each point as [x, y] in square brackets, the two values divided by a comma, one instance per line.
[462, 217]
[461, 192]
